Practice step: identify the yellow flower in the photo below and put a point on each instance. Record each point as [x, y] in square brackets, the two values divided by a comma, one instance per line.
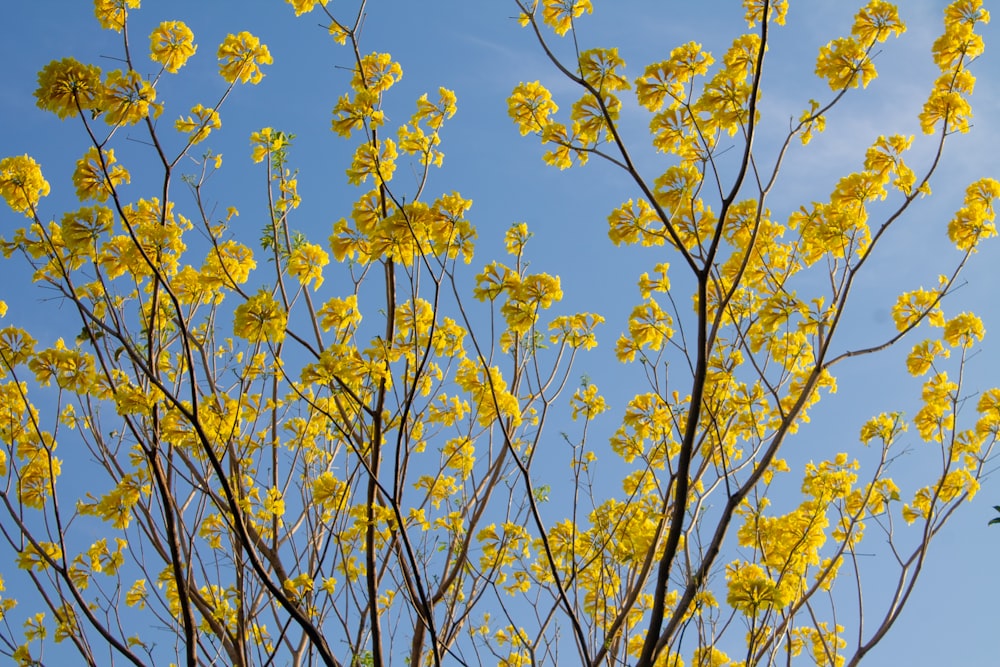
[922, 357]
[755, 11]
[96, 176]
[66, 87]
[369, 160]
[329, 492]
[240, 58]
[32, 558]
[338, 32]
[975, 220]
[959, 43]
[911, 307]
[435, 114]
[21, 183]
[560, 13]
[963, 330]
[528, 297]
[268, 141]
[750, 589]
[966, 12]
[289, 194]
[876, 21]
[260, 319]
[412, 140]
[666, 79]
[304, 6]
[306, 263]
[83, 228]
[127, 98]
[575, 330]
[587, 402]
[171, 44]
[530, 105]
[599, 68]
[340, 314]
[377, 73]
[201, 124]
[350, 115]
[274, 503]
[947, 107]
[709, 656]
[136, 596]
[261, 142]
[111, 14]
[228, 264]
[844, 63]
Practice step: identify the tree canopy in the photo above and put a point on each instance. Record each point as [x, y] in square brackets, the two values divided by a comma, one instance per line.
[257, 439]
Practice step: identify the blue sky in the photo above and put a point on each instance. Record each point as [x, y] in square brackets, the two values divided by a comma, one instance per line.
[477, 49]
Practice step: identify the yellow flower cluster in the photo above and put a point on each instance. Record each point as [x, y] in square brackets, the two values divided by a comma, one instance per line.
[158, 233]
[200, 125]
[306, 263]
[305, 6]
[111, 14]
[531, 105]
[575, 330]
[948, 104]
[227, 265]
[171, 44]
[418, 230]
[67, 87]
[260, 319]
[97, 175]
[649, 327]
[241, 56]
[412, 137]
[912, 307]
[525, 295]
[559, 14]
[846, 62]
[376, 159]
[665, 81]
[491, 398]
[128, 99]
[587, 402]
[22, 184]
[975, 220]
[752, 591]
[778, 10]
[824, 644]
[375, 74]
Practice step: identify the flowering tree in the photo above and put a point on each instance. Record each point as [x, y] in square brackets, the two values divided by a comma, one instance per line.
[281, 472]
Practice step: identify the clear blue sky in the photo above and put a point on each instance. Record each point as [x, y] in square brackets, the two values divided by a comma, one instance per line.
[477, 49]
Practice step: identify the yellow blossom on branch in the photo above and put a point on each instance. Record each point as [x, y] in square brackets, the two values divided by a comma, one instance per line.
[67, 87]
[559, 14]
[97, 175]
[260, 319]
[200, 125]
[127, 98]
[305, 6]
[845, 63]
[111, 14]
[240, 58]
[171, 44]
[376, 73]
[306, 263]
[21, 183]
[530, 105]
